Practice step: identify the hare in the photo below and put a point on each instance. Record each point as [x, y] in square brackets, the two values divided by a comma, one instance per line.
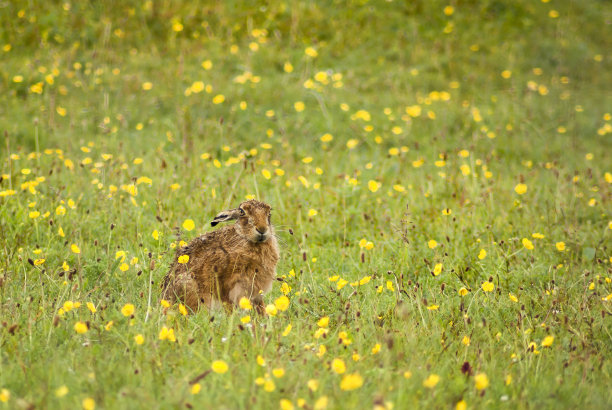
[227, 264]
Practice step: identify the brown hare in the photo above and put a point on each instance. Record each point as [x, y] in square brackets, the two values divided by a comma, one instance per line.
[227, 264]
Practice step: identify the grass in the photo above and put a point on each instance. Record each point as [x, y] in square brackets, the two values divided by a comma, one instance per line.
[484, 127]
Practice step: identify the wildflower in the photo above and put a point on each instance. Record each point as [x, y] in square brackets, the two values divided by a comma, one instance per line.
[376, 348]
[311, 52]
[560, 246]
[5, 395]
[286, 404]
[373, 185]
[433, 307]
[75, 248]
[183, 259]
[520, 189]
[432, 244]
[245, 303]
[61, 391]
[218, 99]
[482, 381]
[182, 309]
[139, 339]
[351, 382]
[548, 341]
[338, 366]
[219, 366]
[127, 310]
[327, 137]
[488, 286]
[89, 404]
[80, 327]
[282, 303]
[431, 381]
[512, 297]
[312, 212]
[437, 269]
[124, 267]
[466, 340]
[527, 244]
[482, 254]
[278, 372]
[195, 389]
[321, 403]
[313, 384]
[91, 307]
[188, 225]
[167, 334]
[463, 291]
[271, 310]
[323, 322]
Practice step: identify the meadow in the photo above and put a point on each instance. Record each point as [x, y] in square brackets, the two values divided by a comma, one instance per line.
[440, 178]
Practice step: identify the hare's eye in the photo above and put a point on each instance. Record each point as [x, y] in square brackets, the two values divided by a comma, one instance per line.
[242, 213]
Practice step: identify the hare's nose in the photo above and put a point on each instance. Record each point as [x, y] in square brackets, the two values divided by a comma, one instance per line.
[261, 230]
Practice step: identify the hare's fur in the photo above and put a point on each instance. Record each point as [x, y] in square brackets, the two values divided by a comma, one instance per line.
[227, 264]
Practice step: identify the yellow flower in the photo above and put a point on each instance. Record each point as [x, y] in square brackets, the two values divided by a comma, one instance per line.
[245, 303]
[447, 211]
[188, 225]
[195, 389]
[431, 381]
[286, 404]
[167, 334]
[155, 234]
[282, 303]
[463, 291]
[89, 404]
[271, 310]
[80, 327]
[124, 267]
[376, 348]
[432, 244]
[466, 340]
[437, 269]
[520, 189]
[327, 137]
[527, 244]
[61, 391]
[182, 309]
[287, 330]
[351, 382]
[299, 106]
[323, 322]
[548, 341]
[127, 310]
[488, 286]
[75, 248]
[482, 381]
[183, 259]
[218, 99]
[338, 366]
[433, 307]
[482, 254]
[373, 185]
[91, 307]
[311, 52]
[512, 297]
[278, 372]
[219, 366]
[461, 405]
[139, 339]
[313, 384]
[312, 212]
[560, 246]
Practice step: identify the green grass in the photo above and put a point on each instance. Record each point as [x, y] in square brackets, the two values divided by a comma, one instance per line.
[76, 110]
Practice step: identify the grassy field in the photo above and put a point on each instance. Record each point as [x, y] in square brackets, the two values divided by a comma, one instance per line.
[439, 172]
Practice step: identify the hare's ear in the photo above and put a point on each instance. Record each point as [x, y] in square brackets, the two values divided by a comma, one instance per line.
[228, 215]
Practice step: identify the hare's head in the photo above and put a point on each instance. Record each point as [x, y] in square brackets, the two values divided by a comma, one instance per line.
[252, 220]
